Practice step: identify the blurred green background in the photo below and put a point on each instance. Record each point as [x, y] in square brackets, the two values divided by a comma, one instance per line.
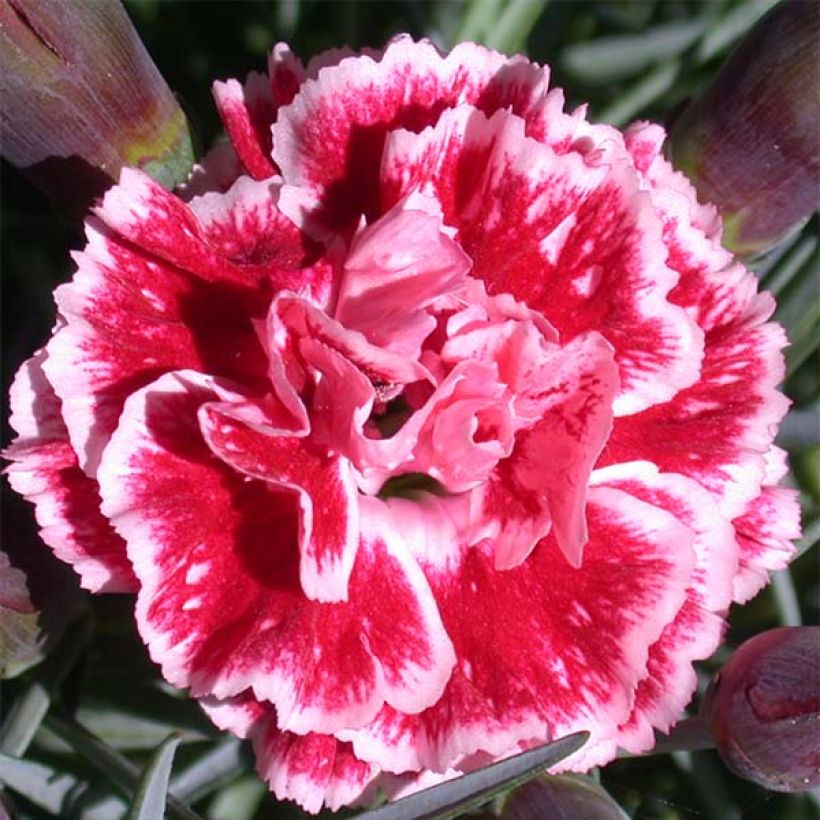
[628, 60]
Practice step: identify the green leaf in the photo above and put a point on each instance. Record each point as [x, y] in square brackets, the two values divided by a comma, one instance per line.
[219, 765]
[42, 785]
[465, 793]
[124, 731]
[152, 792]
[119, 769]
[642, 93]
[606, 59]
[239, 801]
[509, 33]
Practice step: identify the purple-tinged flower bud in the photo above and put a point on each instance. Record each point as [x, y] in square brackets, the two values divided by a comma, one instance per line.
[81, 98]
[19, 628]
[564, 796]
[763, 708]
[751, 142]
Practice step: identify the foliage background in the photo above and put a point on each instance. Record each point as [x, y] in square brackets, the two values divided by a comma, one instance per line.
[629, 59]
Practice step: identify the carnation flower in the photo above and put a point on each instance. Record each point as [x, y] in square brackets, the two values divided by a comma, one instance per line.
[431, 423]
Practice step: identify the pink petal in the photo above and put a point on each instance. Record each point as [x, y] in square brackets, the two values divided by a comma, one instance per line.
[330, 138]
[131, 316]
[327, 496]
[571, 657]
[314, 770]
[246, 228]
[697, 629]
[45, 471]
[221, 606]
[247, 113]
[718, 430]
[395, 269]
[527, 499]
[293, 319]
[580, 243]
[766, 532]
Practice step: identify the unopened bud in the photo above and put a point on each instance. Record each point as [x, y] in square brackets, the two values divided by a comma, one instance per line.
[81, 98]
[763, 708]
[561, 796]
[751, 142]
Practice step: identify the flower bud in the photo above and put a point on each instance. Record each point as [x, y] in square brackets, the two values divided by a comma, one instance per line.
[82, 98]
[751, 142]
[19, 627]
[763, 708]
[565, 796]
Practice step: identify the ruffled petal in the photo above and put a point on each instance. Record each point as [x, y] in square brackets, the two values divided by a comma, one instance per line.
[315, 770]
[247, 112]
[327, 497]
[766, 532]
[581, 243]
[395, 269]
[330, 138]
[221, 606]
[571, 657]
[525, 498]
[44, 469]
[132, 315]
[696, 630]
[719, 430]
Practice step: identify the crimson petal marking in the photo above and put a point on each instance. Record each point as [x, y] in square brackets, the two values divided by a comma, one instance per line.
[766, 532]
[328, 137]
[315, 770]
[579, 242]
[160, 224]
[221, 606]
[247, 113]
[45, 471]
[542, 486]
[697, 629]
[572, 656]
[245, 226]
[719, 430]
[396, 268]
[328, 500]
[129, 318]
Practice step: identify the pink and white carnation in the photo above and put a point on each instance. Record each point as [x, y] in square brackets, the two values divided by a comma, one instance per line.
[430, 423]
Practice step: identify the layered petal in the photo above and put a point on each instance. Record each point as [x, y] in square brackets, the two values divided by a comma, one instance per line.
[766, 532]
[542, 486]
[571, 656]
[221, 606]
[696, 630]
[327, 498]
[44, 469]
[580, 243]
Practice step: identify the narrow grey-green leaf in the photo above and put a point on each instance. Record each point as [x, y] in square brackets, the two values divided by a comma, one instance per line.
[509, 33]
[239, 801]
[152, 792]
[606, 59]
[642, 93]
[465, 793]
[737, 22]
[122, 730]
[219, 765]
[110, 762]
[23, 719]
[42, 785]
